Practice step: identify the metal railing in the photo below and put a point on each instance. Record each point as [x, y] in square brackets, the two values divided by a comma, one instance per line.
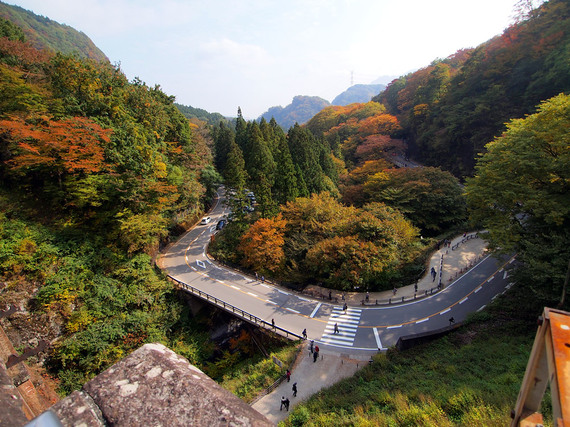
[234, 310]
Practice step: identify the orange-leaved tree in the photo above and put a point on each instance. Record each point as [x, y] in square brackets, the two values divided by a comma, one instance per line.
[262, 244]
[69, 146]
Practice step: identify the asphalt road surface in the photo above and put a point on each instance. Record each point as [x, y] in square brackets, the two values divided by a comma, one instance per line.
[359, 328]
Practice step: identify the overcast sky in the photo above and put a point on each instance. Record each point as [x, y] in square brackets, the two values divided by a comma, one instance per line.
[221, 54]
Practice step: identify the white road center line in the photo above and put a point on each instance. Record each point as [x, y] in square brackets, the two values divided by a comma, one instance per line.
[445, 311]
[377, 336]
[463, 300]
[316, 309]
[291, 310]
[252, 294]
[423, 320]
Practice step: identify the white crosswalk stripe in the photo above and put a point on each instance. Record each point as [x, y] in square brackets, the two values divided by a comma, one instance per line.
[347, 326]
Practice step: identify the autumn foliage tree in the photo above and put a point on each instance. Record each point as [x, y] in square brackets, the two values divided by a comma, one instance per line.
[71, 146]
[345, 247]
[262, 244]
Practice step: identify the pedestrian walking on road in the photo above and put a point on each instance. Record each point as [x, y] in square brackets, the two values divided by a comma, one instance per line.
[316, 354]
[288, 375]
[287, 404]
[345, 306]
[256, 276]
[451, 320]
[262, 279]
[283, 403]
[304, 333]
[336, 331]
[312, 346]
[395, 290]
[330, 295]
[294, 389]
[273, 323]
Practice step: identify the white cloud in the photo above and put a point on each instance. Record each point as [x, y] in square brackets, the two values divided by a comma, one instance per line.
[226, 52]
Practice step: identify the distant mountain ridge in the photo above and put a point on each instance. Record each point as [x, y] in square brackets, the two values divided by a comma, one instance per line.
[301, 109]
[43, 33]
[358, 93]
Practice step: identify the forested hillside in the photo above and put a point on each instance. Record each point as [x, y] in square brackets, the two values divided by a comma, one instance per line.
[95, 171]
[200, 114]
[43, 33]
[452, 108]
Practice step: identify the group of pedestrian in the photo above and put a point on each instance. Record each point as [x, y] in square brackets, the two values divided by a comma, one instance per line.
[314, 349]
[284, 400]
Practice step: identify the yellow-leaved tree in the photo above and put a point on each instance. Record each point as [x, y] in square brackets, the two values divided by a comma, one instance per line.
[262, 244]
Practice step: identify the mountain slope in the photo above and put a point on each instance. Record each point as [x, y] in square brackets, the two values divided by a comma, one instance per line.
[358, 93]
[43, 33]
[451, 109]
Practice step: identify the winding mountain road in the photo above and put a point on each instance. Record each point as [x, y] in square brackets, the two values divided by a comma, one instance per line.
[360, 328]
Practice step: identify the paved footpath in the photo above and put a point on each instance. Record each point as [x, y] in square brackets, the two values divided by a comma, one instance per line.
[333, 366]
[310, 377]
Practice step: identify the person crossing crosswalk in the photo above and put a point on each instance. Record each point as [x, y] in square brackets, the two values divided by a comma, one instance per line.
[342, 326]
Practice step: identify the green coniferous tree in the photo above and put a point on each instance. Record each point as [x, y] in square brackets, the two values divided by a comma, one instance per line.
[301, 185]
[286, 187]
[266, 205]
[241, 131]
[305, 154]
[259, 158]
[223, 138]
[235, 178]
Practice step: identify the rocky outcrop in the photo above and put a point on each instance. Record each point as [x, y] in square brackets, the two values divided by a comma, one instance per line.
[155, 386]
